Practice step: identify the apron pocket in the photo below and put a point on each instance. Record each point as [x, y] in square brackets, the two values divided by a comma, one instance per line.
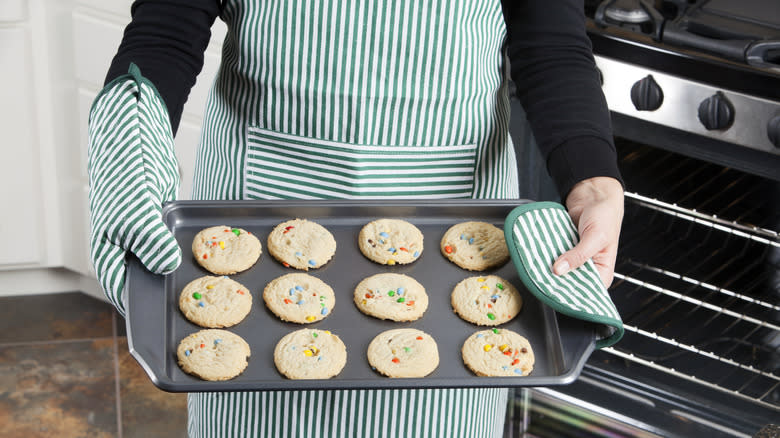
[284, 166]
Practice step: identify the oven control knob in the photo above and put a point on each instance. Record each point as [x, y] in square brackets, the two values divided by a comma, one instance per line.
[716, 112]
[646, 94]
[773, 130]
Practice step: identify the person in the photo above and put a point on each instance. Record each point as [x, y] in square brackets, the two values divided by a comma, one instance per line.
[341, 82]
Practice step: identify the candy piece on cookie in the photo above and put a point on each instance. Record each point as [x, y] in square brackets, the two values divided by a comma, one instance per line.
[498, 352]
[301, 244]
[213, 354]
[391, 296]
[225, 250]
[215, 302]
[391, 242]
[310, 354]
[475, 246]
[403, 353]
[300, 298]
[486, 300]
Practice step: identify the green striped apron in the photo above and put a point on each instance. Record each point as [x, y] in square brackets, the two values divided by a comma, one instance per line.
[357, 99]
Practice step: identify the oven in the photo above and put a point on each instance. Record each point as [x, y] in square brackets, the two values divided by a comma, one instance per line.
[694, 91]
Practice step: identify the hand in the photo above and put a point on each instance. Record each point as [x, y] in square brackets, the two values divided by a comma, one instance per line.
[596, 207]
[132, 171]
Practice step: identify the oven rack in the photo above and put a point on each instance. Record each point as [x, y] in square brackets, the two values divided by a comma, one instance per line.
[698, 295]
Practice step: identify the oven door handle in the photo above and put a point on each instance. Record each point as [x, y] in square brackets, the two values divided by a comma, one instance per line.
[735, 50]
[764, 54]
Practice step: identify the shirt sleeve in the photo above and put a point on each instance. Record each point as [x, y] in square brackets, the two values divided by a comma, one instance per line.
[558, 85]
[166, 39]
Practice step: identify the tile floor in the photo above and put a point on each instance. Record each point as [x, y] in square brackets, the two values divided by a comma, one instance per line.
[65, 371]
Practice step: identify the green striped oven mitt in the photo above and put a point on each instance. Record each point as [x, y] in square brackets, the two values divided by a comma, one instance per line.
[537, 234]
[132, 171]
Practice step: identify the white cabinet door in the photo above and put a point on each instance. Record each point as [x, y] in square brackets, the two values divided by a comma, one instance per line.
[20, 176]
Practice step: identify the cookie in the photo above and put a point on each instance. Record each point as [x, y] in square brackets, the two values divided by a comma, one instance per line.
[224, 250]
[310, 354]
[213, 354]
[403, 353]
[301, 244]
[299, 298]
[215, 302]
[475, 246]
[396, 297]
[390, 242]
[498, 352]
[487, 300]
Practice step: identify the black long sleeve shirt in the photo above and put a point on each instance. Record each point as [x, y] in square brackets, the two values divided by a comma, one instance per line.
[550, 57]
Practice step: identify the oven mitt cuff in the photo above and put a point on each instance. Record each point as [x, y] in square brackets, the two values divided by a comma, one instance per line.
[132, 170]
[537, 234]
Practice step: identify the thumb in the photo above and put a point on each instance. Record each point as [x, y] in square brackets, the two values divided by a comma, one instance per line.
[108, 260]
[157, 249]
[590, 244]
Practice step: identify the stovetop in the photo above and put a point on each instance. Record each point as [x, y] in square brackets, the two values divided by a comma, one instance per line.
[735, 45]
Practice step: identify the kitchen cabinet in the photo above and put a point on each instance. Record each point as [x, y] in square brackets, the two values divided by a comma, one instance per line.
[60, 52]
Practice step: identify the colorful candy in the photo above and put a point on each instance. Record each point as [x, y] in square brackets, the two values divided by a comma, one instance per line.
[491, 316]
[197, 296]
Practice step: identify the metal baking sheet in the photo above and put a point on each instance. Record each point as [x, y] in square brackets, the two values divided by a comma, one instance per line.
[155, 325]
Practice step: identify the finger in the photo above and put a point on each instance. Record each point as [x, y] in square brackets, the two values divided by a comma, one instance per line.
[607, 274]
[590, 244]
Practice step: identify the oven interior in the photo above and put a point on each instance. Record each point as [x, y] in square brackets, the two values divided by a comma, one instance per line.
[697, 284]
